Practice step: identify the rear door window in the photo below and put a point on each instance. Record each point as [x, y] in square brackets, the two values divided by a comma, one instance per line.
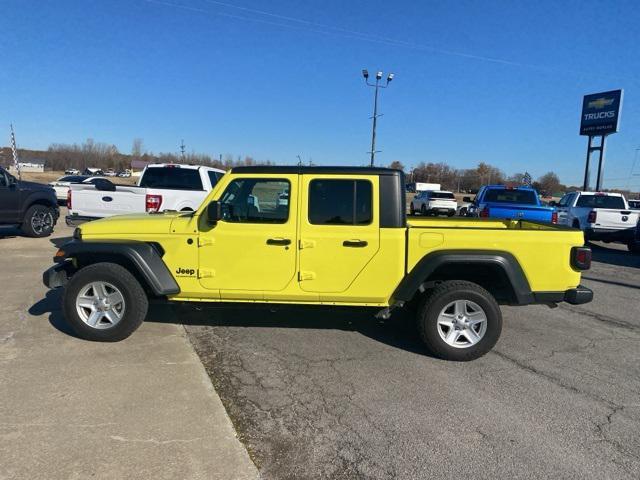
[340, 202]
[175, 178]
[600, 201]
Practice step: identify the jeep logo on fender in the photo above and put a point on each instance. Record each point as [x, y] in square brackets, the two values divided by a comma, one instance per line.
[185, 272]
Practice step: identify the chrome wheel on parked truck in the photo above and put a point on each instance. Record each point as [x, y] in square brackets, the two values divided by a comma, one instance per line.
[459, 320]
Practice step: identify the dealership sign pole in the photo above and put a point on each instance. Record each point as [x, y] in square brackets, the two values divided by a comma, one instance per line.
[600, 117]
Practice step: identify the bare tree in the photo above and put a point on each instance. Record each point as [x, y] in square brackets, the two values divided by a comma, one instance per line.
[136, 148]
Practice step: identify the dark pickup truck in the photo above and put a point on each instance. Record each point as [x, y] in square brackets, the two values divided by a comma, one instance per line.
[30, 206]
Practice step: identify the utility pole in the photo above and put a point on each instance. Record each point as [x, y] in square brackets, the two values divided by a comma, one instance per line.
[376, 86]
[182, 148]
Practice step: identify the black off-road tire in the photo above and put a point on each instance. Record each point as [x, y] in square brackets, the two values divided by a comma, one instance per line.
[28, 227]
[135, 300]
[441, 295]
[423, 210]
[412, 210]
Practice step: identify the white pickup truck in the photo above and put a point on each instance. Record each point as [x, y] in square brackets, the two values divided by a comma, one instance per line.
[602, 216]
[161, 187]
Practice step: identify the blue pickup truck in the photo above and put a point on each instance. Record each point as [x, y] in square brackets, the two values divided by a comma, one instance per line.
[517, 203]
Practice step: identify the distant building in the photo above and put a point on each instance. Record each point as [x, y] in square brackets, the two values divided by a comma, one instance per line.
[30, 165]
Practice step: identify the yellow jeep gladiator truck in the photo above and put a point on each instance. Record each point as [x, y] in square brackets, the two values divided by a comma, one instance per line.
[319, 236]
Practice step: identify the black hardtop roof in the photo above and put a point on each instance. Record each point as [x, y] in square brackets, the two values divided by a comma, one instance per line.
[269, 169]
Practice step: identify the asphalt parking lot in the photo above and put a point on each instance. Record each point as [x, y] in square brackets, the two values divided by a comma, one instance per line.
[321, 393]
[336, 394]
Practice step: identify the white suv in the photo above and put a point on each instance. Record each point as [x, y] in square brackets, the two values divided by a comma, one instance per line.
[434, 202]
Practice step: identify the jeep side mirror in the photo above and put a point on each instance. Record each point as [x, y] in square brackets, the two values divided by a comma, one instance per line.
[467, 199]
[213, 212]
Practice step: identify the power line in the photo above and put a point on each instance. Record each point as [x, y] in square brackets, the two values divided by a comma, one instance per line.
[331, 30]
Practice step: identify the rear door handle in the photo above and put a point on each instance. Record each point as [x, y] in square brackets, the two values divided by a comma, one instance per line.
[354, 243]
[278, 241]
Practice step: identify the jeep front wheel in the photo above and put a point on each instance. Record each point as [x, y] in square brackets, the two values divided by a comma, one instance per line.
[104, 302]
[459, 321]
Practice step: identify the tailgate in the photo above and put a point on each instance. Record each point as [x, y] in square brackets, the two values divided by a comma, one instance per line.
[87, 201]
[613, 219]
[520, 212]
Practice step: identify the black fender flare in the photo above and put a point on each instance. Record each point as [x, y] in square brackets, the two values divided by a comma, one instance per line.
[144, 257]
[505, 261]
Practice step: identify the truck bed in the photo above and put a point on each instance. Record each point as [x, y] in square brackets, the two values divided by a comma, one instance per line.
[544, 258]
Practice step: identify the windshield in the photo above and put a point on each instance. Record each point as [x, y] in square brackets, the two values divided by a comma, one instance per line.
[171, 177]
[448, 195]
[524, 197]
[601, 201]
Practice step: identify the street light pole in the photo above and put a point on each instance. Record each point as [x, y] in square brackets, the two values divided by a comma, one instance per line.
[376, 86]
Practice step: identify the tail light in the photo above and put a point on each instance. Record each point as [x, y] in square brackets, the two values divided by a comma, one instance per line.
[152, 203]
[581, 258]
[554, 217]
[591, 218]
[484, 213]
[69, 199]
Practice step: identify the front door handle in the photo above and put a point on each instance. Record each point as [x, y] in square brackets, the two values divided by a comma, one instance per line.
[278, 241]
[354, 243]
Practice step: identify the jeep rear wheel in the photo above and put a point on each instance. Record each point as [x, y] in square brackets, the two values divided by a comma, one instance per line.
[38, 221]
[104, 302]
[459, 321]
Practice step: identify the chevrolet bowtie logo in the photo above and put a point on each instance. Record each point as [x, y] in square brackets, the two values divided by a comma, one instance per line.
[600, 103]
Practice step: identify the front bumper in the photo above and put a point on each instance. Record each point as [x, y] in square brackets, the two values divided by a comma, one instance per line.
[55, 276]
[574, 296]
[75, 220]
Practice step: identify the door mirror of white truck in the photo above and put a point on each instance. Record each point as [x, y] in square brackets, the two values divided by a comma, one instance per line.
[213, 212]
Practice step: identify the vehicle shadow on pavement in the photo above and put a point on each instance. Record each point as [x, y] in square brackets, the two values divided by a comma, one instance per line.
[399, 331]
[51, 304]
[9, 232]
[612, 256]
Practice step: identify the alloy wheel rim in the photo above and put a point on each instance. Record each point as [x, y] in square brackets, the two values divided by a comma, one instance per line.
[462, 323]
[41, 222]
[100, 305]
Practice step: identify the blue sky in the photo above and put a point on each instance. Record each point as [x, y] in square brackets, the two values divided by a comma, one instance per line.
[492, 81]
